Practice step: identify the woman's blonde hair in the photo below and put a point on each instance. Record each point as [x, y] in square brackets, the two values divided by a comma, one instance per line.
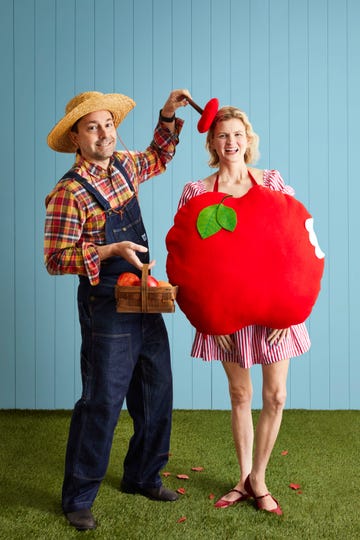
[227, 113]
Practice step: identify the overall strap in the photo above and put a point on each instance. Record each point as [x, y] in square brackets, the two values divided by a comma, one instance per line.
[86, 185]
[100, 199]
[120, 167]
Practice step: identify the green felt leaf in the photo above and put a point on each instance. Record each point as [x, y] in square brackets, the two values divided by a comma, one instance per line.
[207, 223]
[226, 217]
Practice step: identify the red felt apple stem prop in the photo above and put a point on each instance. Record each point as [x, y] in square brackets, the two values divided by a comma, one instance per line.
[207, 114]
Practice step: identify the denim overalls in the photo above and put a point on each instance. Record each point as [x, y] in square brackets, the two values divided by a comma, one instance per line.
[122, 355]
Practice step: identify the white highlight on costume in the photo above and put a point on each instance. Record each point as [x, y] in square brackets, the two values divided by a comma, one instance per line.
[309, 226]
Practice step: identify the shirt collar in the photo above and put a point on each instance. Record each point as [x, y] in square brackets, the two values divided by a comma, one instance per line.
[93, 169]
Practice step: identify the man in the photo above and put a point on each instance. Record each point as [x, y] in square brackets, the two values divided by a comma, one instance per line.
[94, 229]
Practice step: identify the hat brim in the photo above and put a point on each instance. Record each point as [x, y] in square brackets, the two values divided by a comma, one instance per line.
[118, 104]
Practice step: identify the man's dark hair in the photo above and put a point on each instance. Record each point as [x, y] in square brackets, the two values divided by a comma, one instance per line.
[74, 127]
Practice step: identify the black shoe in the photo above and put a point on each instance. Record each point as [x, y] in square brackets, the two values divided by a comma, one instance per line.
[82, 520]
[157, 494]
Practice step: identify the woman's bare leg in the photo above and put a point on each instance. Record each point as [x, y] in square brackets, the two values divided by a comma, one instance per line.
[240, 389]
[268, 425]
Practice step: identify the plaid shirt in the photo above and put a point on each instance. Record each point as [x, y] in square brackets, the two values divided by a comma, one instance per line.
[75, 223]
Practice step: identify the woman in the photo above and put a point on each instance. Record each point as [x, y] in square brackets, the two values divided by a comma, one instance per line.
[233, 145]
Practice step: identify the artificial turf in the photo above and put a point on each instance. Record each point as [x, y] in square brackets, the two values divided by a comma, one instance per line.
[318, 451]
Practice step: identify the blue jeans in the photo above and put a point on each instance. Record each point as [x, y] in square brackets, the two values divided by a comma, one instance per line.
[122, 355]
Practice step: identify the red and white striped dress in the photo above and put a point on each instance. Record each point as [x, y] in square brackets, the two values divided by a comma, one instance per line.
[251, 345]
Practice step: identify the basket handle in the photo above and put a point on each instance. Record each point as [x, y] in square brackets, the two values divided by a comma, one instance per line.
[144, 296]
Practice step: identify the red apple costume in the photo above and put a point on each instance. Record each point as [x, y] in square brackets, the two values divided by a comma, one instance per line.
[251, 346]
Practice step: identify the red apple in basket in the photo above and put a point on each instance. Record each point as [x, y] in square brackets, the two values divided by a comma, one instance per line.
[128, 279]
[151, 281]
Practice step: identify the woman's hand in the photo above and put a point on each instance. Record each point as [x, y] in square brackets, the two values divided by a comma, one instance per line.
[225, 343]
[278, 335]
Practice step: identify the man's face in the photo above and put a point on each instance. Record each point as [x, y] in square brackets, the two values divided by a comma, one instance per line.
[96, 137]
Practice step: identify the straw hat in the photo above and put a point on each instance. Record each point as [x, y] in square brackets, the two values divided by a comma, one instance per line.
[82, 104]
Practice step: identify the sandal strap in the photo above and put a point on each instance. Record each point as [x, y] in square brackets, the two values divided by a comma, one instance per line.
[263, 496]
[236, 491]
[267, 494]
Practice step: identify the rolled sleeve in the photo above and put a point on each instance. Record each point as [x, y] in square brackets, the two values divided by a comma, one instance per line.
[64, 252]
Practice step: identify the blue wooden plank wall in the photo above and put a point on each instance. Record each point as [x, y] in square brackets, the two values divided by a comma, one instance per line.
[293, 65]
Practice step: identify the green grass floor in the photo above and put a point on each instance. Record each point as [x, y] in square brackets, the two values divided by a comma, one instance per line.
[323, 451]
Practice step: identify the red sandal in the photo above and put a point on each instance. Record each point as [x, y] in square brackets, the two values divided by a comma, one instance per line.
[222, 503]
[277, 510]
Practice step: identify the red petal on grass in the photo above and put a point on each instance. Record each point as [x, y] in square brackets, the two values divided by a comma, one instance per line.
[197, 469]
[182, 476]
[182, 491]
[294, 486]
[299, 492]
[166, 474]
[284, 452]
[182, 519]
[211, 496]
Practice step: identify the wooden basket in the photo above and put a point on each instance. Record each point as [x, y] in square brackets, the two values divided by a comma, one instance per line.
[145, 299]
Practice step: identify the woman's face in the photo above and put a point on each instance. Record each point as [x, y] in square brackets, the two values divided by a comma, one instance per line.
[230, 140]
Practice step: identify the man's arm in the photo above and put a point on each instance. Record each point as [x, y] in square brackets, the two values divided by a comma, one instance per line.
[176, 99]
